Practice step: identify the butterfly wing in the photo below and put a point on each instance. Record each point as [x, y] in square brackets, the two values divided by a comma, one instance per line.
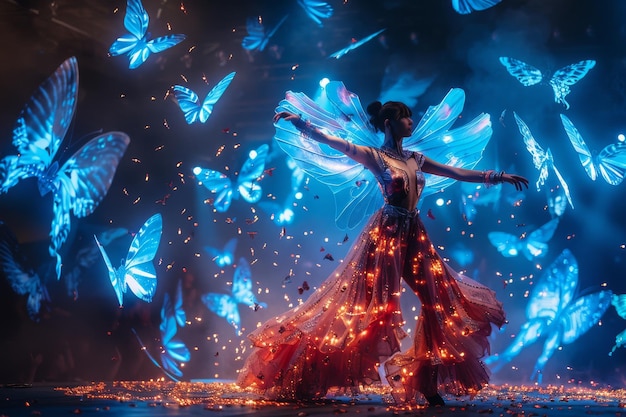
[541, 159]
[507, 244]
[218, 184]
[136, 22]
[529, 333]
[611, 163]
[468, 6]
[256, 35]
[118, 284]
[139, 272]
[567, 76]
[223, 257]
[214, 95]
[580, 147]
[173, 351]
[224, 306]
[82, 182]
[247, 180]
[41, 127]
[535, 244]
[242, 285]
[355, 45]
[523, 72]
[316, 10]
[188, 102]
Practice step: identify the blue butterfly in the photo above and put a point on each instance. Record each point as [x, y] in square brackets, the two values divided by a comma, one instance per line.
[137, 43]
[23, 281]
[189, 102]
[225, 256]
[619, 302]
[173, 351]
[79, 184]
[316, 10]
[137, 271]
[257, 39]
[225, 305]
[247, 185]
[532, 245]
[542, 160]
[553, 312]
[282, 214]
[610, 162]
[355, 45]
[560, 81]
[468, 6]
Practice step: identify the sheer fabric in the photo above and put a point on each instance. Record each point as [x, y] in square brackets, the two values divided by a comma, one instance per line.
[353, 322]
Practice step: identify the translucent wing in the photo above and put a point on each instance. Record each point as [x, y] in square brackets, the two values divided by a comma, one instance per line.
[580, 147]
[611, 163]
[316, 10]
[531, 246]
[247, 180]
[555, 288]
[224, 256]
[242, 285]
[219, 184]
[355, 45]
[619, 302]
[528, 334]
[461, 147]
[41, 127]
[136, 44]
[524, 73]
[189, 102]
[573, 322]
[173, 350]
[139, 272]
[22, 281]
[567, 76]
[82, 182]
[257, 38]
[505, 243]
[468, 6]
[116, 277]
[224, 306]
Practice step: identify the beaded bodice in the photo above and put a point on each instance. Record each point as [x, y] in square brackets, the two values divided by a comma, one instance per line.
[401, 179]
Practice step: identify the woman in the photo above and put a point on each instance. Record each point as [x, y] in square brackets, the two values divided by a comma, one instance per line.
[352, 324]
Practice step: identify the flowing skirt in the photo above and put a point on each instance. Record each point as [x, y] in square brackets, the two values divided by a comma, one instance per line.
[353, 322]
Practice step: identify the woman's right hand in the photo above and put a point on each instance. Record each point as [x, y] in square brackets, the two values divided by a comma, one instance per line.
[293, 118]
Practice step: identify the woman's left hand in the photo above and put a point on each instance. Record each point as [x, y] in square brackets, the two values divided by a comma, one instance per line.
[517, 180]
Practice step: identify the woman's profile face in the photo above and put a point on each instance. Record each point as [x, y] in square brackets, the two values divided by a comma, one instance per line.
[402, 127]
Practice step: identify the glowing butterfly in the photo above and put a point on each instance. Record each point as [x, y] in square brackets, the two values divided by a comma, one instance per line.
[557, 201]
[173, 351]
[23, 281]
[247, 185]
[283, 214]
[560, 81]
[137, 271]
[225, 256]
[225, 305]
[81, 182]
[619, 302]
[610, 162]
[553, 312]
[137, 43]
[468, 6]
[189, 102]
[355, 45]
[532, 245]
[257, 39]
[316, 10]
[542, 160]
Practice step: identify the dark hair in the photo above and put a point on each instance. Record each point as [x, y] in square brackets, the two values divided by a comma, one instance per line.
[394, 110]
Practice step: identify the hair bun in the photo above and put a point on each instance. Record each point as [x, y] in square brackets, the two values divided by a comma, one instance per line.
[374, 108]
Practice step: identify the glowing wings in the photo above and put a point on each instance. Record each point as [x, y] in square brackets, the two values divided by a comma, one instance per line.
[553, 312]
[531, 245]
[247, 184]
[79, 184]
[610, 162]
[137, 271]
[257, 37]
[355, 189]
[136, 43]
[189, 102]
[561, 80]
[542, 160]
[316, 10]
[468, 6]
[355, 45]
[226, 305]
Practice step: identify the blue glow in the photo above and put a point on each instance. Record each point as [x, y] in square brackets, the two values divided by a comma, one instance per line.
[137, 271]
[136, 43]
[298, 195]
[355, 45]
[257, 38]
[196, 170]
[189, 102]
[531, 245]
[324, 82]
[468, 6]
[621, 137]
[316, 10]
[440, 202]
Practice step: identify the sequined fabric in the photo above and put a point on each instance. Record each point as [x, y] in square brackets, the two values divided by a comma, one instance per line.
[353, 322]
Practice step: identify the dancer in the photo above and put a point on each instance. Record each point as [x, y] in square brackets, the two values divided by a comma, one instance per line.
[352, 323]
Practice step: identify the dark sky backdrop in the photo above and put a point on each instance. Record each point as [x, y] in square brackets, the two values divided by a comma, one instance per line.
[425, 38]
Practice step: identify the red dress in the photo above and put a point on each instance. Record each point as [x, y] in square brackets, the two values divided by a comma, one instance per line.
[353, 322]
